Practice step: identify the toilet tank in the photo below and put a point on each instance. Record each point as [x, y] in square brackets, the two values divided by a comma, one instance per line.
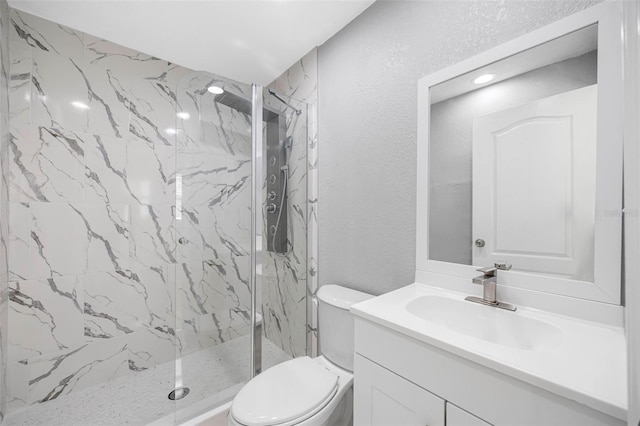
[335, 323]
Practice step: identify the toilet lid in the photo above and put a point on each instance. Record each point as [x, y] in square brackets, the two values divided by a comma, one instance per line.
[283, 393]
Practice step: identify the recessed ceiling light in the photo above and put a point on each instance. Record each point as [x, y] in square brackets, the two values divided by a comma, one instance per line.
[216, 90]
[485, 78]
[183, 115]
[80, 105]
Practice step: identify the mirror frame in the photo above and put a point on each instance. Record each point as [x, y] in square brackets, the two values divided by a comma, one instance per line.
[607, 284]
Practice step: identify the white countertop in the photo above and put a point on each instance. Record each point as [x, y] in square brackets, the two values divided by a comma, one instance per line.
[589, 365]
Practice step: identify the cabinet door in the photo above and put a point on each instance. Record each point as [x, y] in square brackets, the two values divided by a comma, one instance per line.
[458, 417]
[382, 398]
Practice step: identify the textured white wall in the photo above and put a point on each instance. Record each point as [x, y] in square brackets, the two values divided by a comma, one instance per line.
[367, 80]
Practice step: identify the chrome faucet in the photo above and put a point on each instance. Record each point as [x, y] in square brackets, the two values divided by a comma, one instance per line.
[489, 281]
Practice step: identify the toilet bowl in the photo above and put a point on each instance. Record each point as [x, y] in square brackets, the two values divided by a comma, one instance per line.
[308, 391]
[303, 391]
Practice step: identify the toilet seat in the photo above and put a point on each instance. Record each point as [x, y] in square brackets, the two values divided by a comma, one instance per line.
[285, 394]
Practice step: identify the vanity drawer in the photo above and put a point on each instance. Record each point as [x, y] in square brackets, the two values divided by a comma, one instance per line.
[382, 398]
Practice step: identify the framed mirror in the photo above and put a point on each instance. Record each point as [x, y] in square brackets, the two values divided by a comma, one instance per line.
[520, 160]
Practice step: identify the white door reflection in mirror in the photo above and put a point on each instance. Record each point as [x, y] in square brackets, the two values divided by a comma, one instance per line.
[534, 185]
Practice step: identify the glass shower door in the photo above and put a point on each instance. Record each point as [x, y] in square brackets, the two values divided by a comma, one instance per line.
[213, 223]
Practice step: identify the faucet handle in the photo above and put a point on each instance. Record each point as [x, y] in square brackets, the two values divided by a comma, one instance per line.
[504, 266]
[488, 271]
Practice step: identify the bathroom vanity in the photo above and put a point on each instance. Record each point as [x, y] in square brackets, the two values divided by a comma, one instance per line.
[424, 355]
[519, 177]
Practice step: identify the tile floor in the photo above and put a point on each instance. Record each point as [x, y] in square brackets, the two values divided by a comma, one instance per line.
[141, 398]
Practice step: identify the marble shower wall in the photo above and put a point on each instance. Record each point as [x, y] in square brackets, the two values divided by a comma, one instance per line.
[291, 281]
[4, 198]
[92, 187]
[105, 182]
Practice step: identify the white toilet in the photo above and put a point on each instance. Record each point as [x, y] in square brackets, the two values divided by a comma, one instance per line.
[308, 391]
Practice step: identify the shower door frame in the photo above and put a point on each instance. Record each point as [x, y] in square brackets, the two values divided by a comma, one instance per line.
[255, 282]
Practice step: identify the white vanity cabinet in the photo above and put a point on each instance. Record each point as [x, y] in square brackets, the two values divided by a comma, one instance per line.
[383, 398]
[399, 380]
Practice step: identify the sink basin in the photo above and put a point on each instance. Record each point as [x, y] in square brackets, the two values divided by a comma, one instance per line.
[486, 323]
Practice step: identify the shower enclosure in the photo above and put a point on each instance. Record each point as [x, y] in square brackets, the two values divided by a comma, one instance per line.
[157, 236]
[235, 133]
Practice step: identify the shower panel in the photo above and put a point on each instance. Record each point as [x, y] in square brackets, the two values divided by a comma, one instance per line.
[278, 150]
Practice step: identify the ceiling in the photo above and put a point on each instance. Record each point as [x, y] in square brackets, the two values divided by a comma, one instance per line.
[246, 40]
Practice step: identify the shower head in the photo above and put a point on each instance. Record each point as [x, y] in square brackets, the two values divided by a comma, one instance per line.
[241, 104]
[233, 101]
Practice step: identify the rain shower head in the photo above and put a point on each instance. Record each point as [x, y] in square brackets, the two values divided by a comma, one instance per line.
[242, 105]
[234, 102]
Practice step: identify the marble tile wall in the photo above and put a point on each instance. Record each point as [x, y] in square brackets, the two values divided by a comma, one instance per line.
[4, 198]
[92, 187]
[291, 281]
[122, 247]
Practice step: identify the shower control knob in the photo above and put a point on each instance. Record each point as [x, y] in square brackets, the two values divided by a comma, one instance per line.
[182, 240]
[271, 208]
[272, 195]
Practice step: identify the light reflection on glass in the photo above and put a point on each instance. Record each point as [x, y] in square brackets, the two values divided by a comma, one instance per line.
[178, 196]
[215, 90]
[80, 105]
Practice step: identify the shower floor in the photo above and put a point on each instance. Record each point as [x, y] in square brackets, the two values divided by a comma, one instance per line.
[140, 398]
